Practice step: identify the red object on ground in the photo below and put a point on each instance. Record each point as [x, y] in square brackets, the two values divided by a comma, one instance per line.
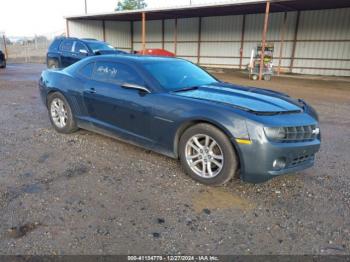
[156, 52]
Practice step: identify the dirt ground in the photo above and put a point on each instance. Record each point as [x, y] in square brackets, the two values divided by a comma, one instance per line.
[88, 194]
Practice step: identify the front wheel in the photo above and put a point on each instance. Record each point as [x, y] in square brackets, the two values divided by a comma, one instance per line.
[60, 114]
[207, 155]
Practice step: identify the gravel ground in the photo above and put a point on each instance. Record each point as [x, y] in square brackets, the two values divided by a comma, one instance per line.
[88, 194]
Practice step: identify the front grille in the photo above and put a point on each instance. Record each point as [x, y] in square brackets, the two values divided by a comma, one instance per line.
[300, 134]
[301, 159]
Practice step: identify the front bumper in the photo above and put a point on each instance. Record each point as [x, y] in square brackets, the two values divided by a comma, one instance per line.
[257, 158]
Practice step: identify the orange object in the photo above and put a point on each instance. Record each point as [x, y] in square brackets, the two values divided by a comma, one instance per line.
[156, 52]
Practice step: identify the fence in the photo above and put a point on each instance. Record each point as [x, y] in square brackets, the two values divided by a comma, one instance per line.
[25, 51]
[28, 52]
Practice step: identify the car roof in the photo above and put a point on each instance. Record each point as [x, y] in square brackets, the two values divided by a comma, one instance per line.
[90, 40]
[86, 40]
[133, 58]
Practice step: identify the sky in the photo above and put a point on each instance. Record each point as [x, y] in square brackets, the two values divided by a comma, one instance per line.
[45, 17]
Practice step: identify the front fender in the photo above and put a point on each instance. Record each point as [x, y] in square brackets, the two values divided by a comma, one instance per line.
[233, 126]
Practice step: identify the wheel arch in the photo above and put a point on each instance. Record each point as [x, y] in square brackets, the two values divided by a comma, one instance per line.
[70, 101]
[52, 91]
[53, 56]
[184, 126]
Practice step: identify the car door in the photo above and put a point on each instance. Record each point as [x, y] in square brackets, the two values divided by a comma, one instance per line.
[110, 106]
[66, 53]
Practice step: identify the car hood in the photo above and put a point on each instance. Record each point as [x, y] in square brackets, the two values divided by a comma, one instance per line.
[110, 52]
[256, 100]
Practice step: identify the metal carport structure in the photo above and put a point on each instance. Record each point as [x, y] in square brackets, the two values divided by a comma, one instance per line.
[293, 18]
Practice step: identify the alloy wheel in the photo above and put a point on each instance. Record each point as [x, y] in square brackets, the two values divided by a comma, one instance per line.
[59, 113]
[204, 156]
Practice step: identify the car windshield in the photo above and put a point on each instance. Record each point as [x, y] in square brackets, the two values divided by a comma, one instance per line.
[178, 74]
[98, 46]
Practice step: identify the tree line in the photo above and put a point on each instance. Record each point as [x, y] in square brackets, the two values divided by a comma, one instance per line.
[130, 5]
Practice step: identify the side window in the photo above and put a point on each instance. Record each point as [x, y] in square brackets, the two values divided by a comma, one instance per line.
[79, 46]
[116, 73]
[66, 46]
[87, 70]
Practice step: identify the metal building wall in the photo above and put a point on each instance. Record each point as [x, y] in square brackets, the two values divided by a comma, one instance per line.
[221, 40]
[253, 35]
[153, 36]
[169, 30]
[322, 41]
[326, 35]
[187, 37]
[86, 29]
[320, 44]
[118, 34]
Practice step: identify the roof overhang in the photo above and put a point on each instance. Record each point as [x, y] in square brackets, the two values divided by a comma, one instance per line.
[236, 8]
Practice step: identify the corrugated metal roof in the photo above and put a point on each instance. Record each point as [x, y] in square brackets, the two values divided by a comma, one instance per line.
[231, 8]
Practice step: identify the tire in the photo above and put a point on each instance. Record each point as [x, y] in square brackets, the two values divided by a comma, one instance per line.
[229, 163]
[255, 77]
[52, 64]
[54, 102]
[267, 77]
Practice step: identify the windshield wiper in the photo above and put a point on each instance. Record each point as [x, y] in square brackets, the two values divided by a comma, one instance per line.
[186, 89]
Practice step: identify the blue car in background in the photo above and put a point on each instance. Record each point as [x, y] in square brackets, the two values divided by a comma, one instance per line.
[173, 107]
[2, 60]
[65, 51]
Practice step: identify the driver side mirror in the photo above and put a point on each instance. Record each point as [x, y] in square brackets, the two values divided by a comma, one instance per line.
[135, 86]
[83, 52]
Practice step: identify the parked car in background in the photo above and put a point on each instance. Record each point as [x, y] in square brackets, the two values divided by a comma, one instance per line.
[65, 51]
[155, 52]
[174, 107]
[2, 60]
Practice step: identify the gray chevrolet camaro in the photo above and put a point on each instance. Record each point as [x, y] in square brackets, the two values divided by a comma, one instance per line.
[174, 107]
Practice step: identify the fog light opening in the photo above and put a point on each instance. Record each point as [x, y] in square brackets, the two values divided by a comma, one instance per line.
[279, 163]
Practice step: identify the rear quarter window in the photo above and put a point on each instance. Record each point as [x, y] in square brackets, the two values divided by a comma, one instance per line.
[87, 70]
[116, 73]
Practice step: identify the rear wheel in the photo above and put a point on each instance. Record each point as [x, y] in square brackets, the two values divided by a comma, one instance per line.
[52, 63]
[60, 114]
[207, 155]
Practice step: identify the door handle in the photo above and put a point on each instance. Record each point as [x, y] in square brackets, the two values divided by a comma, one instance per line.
[91, 90]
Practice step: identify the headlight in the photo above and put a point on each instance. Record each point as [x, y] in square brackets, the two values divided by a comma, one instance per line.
[275, 133]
